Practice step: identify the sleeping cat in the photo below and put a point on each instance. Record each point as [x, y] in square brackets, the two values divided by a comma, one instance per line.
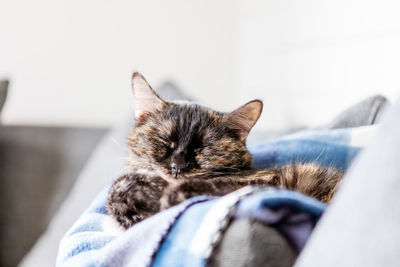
[178, 150]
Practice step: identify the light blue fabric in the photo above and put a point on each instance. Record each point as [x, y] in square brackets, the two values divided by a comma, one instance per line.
[329, 148]
[90, 243]
[183, 247]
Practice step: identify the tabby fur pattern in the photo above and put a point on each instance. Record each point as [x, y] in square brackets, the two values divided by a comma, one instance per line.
[178, 150]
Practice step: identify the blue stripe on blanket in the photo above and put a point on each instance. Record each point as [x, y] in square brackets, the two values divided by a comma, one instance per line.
[90, 243]
[183, 247]
[174, 249]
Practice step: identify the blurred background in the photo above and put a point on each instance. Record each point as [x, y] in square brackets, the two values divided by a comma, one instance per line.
[70, 61]
[69, 65]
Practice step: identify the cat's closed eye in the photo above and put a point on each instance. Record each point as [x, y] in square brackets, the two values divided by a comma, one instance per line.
[197, 150]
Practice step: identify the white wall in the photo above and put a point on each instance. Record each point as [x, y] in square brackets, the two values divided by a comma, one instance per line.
[70, 61]
[310, 59]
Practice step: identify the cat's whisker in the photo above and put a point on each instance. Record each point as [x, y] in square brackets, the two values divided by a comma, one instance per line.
[320, 155]
[115, 141]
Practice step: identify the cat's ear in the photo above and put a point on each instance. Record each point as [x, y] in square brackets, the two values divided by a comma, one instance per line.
[244, 118]
[146, 99]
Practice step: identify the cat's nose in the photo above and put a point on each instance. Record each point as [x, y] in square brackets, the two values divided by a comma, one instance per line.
[177, 165]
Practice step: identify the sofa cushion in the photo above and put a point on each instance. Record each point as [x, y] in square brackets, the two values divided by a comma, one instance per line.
[105, 164]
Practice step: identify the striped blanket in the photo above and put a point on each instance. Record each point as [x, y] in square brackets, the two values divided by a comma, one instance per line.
[186, 235]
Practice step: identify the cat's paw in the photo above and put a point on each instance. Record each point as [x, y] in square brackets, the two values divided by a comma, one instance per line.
[134, 197]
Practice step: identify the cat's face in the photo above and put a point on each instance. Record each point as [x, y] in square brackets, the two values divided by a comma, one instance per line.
[186, 139]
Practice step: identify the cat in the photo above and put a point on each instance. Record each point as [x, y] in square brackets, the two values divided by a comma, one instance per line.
[178, 150]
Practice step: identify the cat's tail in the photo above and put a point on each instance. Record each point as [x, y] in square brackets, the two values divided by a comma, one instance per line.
[311, 179]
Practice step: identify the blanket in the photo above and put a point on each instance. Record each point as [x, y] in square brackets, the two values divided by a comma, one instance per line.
[186, 235]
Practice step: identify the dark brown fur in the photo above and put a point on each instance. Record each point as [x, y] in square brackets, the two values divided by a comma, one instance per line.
[181, 150]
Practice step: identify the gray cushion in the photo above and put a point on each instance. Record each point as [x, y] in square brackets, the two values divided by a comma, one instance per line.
[361, 226]
[38, 166]
[366, 112]
[250, 243]
[105, 164]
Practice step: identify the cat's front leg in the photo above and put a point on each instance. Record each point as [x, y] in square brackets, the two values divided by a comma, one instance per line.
[177, 193]
[134, 197]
